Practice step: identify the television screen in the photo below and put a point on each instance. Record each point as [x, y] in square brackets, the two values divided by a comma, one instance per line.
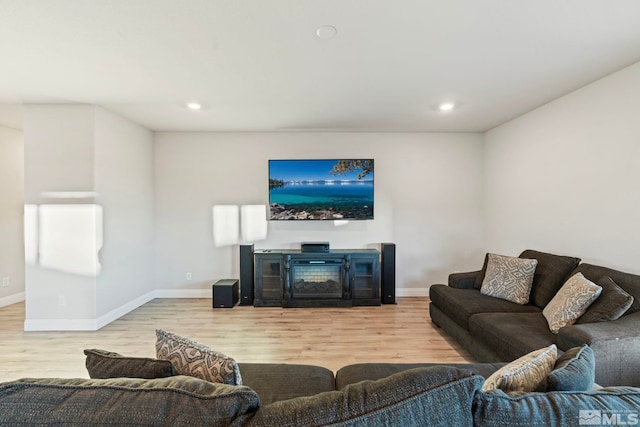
[321, 189]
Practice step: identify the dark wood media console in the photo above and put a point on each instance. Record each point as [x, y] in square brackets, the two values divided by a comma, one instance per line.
[339, 278]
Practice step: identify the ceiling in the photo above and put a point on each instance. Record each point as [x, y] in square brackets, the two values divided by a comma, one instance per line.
[258, 65]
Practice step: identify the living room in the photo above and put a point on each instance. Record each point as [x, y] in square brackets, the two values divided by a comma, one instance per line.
[571, 189]
[541, 180]
[538, 149]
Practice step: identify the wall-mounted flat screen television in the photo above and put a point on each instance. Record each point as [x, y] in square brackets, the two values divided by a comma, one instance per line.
[339, 189]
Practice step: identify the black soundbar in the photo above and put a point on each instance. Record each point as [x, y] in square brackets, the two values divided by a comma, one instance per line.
[315, 247]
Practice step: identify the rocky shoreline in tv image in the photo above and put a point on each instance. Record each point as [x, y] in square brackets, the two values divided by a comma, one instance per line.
[278, 211]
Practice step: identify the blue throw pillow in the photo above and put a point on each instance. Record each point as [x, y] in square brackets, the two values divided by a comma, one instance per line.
[573, 371]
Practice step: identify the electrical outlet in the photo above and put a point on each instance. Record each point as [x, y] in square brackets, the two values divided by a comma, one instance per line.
[62, 300]
[188, 275]
[5, 282]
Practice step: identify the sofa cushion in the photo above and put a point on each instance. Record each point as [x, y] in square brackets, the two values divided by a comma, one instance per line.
[512, 335]
[123, 401]
[630, 283]
[575, 370]
[196, 360]
[355, 373]
[417, 397]
[461, 304]
[527, 373]
[278, 381]
[612, 303]
[551, 273]
[106, 364]
[571, 301]
[558, 408]
[508, 278]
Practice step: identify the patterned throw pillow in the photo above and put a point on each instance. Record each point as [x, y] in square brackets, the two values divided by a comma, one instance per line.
[107, 364]
[196, 360]
[528, 373]
[571, 301]
[509, 278]
[612, 303]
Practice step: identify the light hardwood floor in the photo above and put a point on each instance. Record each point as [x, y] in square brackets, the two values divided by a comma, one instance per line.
[330, 337]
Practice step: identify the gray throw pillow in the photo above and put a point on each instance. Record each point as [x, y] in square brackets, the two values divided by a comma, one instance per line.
[508, 278]
[107, 364]
[196, 360]
[571, 301]
[574, 371]
[551, 273]
[612, 303]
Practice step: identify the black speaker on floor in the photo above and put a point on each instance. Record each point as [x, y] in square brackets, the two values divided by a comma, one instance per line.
[388, 272]
[246, 274]
[225, 293]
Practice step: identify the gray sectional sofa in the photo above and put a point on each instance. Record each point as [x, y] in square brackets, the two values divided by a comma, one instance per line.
[371, 395]
[496, 330]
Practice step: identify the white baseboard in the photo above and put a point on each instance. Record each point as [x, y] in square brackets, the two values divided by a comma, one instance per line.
[124, 309]
[12, 299]
[87, 324]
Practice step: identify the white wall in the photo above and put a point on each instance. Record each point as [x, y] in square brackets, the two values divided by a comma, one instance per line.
[59, 156]
[428, 200]
[59, 150]
[85, 148]
[11, 203]
[565, 177]
[124, 187]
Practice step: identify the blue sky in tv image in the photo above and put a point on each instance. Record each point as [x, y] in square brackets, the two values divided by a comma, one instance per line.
[311, 190]
[312, 170]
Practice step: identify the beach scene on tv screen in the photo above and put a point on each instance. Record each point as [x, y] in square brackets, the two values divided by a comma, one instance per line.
[321, 189]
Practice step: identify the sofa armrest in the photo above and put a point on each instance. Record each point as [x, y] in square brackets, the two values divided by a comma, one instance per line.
[616, 345]
[463, 280]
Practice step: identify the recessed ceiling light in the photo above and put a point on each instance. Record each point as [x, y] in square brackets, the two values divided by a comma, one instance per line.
[194, 105]
[446, 106]
[326, 32]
